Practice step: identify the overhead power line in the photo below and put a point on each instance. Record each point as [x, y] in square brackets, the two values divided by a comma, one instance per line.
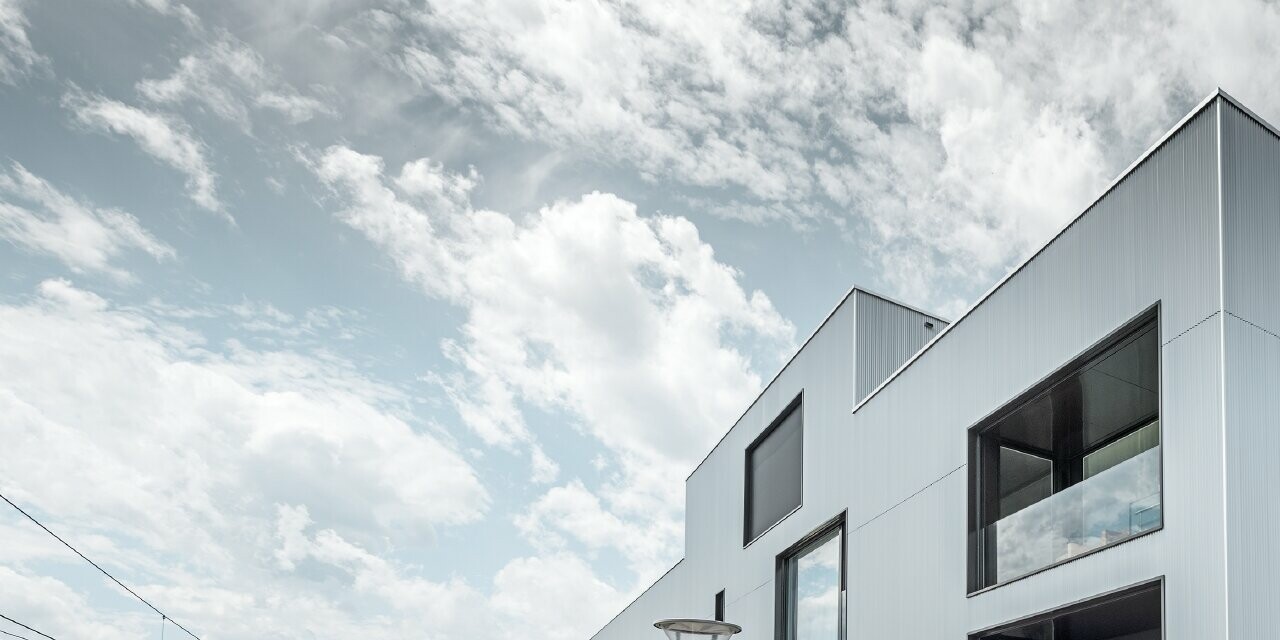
[163, 615]
[24, 627]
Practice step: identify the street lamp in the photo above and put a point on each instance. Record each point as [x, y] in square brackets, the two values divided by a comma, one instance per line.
[693, 629]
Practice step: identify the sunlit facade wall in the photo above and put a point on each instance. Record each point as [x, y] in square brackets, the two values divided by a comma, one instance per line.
[1009, 475]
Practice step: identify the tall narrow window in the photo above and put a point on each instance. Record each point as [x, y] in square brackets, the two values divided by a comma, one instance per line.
[811, 587]
[1133, 614]
[774, 472]
[1072, 466]
[720, 606]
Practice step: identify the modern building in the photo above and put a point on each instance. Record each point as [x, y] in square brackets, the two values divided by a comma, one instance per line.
[1091, 452]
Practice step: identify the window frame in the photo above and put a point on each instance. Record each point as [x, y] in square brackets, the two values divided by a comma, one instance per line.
[1075, 365]
[796, 405]
[782, 615]
[1153, 584]
[720, 606]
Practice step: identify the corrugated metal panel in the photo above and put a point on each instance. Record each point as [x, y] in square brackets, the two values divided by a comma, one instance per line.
[1251, 218]
[1188, 551]
[907, 567]
[1251, 266]
[1140, 245]
[897, 463]
[1252, 477]
[887, 335]
[714, 493]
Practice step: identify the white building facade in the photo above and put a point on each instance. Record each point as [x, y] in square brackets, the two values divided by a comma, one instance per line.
[1092, 452]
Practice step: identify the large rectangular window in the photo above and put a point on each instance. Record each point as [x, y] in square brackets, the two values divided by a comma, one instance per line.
[811, 586]
[1073, 465]
[775, 472]
[1132, 614]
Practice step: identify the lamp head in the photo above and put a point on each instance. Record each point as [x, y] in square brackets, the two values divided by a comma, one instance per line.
[693, 629]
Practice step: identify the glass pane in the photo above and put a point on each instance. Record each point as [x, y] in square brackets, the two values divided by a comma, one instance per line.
[817, 595]
[1024, 480]
[1089, 436]
[1114, 504]
[1120, 389]
[775, 467]
[1126, 617]
[1037, 631]
[1122, 449]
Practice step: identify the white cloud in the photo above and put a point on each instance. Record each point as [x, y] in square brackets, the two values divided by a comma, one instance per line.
[52, 607]
[553, 597]
[173, 457]
[573, 513]
[625, 325]
[230, 79]
[17, 57]
[626, 322]
[942, 131]
[168, 8]
[35, 215]
[163, 137]
[449, 607]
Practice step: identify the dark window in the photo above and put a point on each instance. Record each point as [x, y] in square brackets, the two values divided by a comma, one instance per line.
[720, 606]
[1073, 465]
[811, 586]
[1134, 614]
[774, 470]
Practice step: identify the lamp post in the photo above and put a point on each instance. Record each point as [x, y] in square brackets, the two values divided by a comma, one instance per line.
[694, 629]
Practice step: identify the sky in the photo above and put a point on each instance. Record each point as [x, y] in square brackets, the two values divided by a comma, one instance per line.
[340, 318]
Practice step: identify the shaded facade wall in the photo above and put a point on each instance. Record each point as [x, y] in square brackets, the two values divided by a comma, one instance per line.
[1251, 340]
[897, 465]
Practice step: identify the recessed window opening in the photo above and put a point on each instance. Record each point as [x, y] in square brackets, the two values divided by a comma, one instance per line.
[811, 587]
[775, 469]
[720, 606]
[1074, 468]
[1131, 615]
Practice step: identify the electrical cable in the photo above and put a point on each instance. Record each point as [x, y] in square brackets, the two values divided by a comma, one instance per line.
[13, 635]
[25, 627]
[104, 572]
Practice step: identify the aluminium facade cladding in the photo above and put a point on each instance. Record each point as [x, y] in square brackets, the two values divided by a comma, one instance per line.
[1189, 232]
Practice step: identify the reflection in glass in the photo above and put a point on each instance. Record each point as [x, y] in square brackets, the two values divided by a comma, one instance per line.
[1073, 468]
[813, 589]
[818, 593]
[1112, 505]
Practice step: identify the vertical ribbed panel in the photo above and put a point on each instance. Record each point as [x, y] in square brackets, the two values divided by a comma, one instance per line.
[1251, 219]
[887, 335]
[897, 465]
[1252, 478]
[907, 568]
[1251, 266]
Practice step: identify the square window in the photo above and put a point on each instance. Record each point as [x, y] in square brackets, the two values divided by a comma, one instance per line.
[1071, 466]
[775, 467]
